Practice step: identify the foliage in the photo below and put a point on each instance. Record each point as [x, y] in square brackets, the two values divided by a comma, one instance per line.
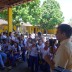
[4, 14]
[51, 15]
[28, 12]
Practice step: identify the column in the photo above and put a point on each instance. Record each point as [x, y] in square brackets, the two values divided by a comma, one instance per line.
[10, 29]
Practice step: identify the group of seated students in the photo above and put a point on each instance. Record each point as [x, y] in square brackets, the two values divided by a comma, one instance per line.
[32, 50]
[11, 49]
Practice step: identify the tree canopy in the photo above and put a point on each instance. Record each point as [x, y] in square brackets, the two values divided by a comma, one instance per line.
[28, 12]
[51, 15]
[4, 14]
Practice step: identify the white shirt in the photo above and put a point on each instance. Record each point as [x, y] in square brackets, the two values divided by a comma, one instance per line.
[25, 41]
[34, 52]
[41, 46]
[45, 52]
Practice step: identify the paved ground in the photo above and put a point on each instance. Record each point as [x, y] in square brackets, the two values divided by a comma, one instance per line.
[21, 67]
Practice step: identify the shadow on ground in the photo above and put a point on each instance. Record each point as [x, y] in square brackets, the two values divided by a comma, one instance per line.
[21, 67]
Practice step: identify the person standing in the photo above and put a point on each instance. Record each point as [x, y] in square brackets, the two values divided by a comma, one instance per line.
[63, 55]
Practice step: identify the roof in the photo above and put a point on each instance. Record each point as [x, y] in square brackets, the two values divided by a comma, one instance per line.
[26, 24]
[3, 21]
[9, 3]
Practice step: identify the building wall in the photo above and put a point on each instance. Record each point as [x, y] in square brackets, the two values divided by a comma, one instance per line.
[5, 28]
[52, 31]
[36, 29]
[29, 29]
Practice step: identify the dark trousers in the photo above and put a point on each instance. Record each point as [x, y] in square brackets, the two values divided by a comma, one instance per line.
[28, 61]
[13, 59]
[44, 66]
[23, 55]
[34, 63]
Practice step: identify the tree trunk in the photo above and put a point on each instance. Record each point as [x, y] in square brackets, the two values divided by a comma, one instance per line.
[46, 32]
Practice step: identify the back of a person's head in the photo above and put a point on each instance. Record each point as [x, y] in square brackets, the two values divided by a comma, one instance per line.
[65, 28]
[33, 40]
[39, 33]
[4, 33]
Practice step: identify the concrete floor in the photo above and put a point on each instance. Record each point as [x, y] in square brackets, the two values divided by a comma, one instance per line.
[21, 67]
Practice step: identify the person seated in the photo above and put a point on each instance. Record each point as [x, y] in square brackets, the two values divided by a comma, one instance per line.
[3, 58]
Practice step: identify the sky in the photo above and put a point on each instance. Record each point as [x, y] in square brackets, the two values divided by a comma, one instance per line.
[66, 8]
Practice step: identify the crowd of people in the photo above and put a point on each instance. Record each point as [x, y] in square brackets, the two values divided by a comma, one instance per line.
[14, 46]
[38, 53]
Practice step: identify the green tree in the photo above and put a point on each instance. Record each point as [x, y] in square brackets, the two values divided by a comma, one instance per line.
[51, 15]
[28, 12]
[4, 14]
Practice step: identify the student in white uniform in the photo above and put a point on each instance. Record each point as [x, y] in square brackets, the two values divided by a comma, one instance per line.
[28, 51]
[39, 36]
[45, 51]
[34, 57]
[40, 46]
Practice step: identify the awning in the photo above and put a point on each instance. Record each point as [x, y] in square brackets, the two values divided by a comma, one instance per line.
[9, 3]
[25, 24]
[3, 22]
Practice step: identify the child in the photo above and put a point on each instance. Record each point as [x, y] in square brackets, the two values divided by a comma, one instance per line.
[45, 51]
[34, 57]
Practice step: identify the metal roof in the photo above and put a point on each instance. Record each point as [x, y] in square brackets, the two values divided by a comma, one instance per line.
[9, 3]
